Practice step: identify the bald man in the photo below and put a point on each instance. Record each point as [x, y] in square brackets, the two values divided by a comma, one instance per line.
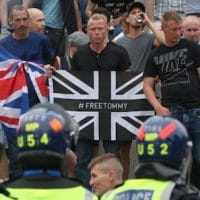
[191, 28]
[37, 23]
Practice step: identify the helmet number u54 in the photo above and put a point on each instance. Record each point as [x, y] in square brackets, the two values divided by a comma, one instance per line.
[31, 141]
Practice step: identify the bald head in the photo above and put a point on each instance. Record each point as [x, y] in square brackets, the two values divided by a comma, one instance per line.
[37, 23]
[191, 28]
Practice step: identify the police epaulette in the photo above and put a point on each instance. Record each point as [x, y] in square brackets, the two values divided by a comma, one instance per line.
[187, 188]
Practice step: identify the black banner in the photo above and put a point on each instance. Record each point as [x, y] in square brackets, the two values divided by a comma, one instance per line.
[107, 105]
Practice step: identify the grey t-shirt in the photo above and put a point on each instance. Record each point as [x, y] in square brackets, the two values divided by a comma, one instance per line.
[138, 49]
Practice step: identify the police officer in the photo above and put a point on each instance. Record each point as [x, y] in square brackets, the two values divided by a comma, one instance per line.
[164, 153]
[43, 136]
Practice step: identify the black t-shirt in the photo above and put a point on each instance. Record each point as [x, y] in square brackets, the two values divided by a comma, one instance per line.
[112, 58]
[177, 69]
[115, 7]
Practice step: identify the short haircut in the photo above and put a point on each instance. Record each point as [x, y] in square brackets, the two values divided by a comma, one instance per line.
[18, 7]
[171, 15]
[97, 16]
[108, 162]
[191, 18]
[33, 12]
[103, 11]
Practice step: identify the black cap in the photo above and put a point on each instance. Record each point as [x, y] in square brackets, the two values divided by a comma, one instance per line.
[136, 5]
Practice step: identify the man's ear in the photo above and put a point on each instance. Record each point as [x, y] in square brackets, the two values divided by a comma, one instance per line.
[127, 19]
[111, 174]
[108, 26]
[10, 21]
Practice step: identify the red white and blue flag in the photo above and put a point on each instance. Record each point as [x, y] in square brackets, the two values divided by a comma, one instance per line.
[14, 99]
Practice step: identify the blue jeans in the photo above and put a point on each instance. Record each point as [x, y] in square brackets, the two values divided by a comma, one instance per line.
[82, 6]
[84, 151]
[190, 117]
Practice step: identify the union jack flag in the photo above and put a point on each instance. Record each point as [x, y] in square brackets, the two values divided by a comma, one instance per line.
[14, 100]
[107, 105]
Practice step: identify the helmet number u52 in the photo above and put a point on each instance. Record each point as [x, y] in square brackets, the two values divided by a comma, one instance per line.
[150, 149]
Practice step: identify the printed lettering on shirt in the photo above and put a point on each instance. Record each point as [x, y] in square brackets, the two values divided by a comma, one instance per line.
[173, 66]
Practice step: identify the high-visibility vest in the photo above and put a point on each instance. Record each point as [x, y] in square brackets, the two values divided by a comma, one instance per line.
[141, 189]
[3, 197]
[78, 193]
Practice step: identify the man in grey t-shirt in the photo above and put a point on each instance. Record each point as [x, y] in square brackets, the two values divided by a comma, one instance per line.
[138, 45]
[137, 42]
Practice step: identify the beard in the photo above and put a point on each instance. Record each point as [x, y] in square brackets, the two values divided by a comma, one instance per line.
[23, 30]
[137, 26]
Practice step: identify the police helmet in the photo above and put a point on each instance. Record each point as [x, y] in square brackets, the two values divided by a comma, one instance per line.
[162, 139]
[43, 135]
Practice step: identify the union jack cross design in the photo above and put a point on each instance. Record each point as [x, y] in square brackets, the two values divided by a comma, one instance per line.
[107, 105]
[14, 100]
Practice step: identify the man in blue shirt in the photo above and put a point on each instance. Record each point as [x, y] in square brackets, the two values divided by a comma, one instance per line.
[28, 46]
